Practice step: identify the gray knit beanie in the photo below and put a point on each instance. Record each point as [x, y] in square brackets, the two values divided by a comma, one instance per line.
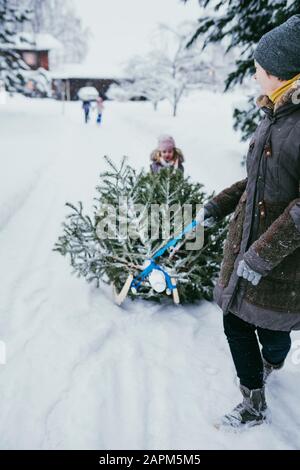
[278, 51]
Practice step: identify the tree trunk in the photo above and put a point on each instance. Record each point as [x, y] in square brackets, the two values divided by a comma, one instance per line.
[175, 109]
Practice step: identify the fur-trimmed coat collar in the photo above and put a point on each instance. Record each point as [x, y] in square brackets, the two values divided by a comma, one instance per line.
[263, 101]
[156, 155]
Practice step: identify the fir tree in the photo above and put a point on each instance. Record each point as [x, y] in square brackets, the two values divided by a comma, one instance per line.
[242, 23]
[111, 259]
[60, 19]
[12, 66]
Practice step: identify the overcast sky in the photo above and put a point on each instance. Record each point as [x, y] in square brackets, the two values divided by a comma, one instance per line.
[123, 28]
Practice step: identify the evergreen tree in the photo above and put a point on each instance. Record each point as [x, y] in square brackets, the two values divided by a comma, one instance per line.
[111, 259]
[60, 19]
[242, 23]
[12, 67]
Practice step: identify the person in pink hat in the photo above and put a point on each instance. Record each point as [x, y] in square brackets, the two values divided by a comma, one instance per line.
[99, 108]
[166, 155]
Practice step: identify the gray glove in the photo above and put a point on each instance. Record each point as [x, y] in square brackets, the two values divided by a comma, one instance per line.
[209, 222]
[247, 273]
[204, 218]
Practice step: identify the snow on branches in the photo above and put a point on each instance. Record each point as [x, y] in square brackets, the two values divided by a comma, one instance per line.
[172, 70]
[134, 214]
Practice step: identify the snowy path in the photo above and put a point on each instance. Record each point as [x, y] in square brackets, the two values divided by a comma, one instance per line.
[80, 372]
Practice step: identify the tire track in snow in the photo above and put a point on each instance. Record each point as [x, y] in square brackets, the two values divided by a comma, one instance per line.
[9, 208]
[126, 412]
[74, 399]
[20, 282]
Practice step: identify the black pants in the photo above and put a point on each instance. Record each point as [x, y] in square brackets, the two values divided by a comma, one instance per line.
[245, 350]
[86, 115]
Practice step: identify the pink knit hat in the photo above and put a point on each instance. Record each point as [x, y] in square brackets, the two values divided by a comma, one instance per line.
[166, 142]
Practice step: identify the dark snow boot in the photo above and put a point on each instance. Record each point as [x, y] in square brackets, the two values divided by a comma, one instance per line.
[268, 368]
[251, 412]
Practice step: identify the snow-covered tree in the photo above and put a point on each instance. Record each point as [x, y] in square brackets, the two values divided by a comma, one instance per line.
[143, 83]
[241, 24]
[59, 18]
[130, 196]
[124, 90]
[12, 67]
[184, 69]
[172, 70]
[39, 83]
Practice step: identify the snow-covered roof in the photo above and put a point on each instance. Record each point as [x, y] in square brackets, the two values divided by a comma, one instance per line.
[87, 93]
[33, 42]
[83, 71]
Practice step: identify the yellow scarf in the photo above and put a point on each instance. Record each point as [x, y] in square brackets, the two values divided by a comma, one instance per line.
[283, 89]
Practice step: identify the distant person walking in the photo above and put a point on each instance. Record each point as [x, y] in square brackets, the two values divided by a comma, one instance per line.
[99, 108]
[86, 106]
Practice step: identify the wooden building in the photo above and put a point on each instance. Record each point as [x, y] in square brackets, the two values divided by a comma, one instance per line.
[68, 81]
[34, 49]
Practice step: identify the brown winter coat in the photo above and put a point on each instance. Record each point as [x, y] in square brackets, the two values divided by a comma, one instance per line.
[265, 227]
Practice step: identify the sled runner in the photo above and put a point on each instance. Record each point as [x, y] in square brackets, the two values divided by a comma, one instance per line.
[121, 296]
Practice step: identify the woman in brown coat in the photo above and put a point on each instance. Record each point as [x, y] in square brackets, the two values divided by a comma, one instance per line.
[259, 283]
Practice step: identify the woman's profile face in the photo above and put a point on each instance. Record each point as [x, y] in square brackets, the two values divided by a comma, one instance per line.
[268, 83]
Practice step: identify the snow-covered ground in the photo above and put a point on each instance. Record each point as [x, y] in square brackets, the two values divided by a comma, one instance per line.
[80, 372]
